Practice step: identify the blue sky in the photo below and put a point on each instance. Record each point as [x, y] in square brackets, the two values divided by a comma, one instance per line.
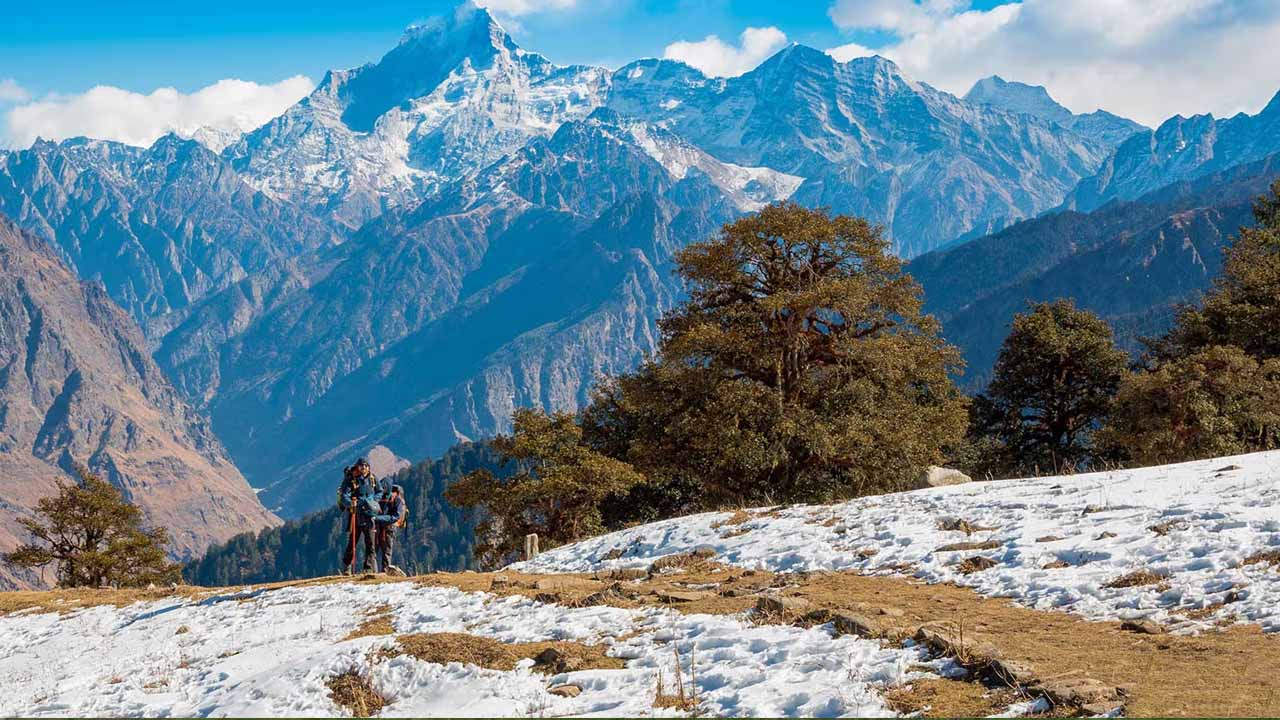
[131, 70]
[72, 45]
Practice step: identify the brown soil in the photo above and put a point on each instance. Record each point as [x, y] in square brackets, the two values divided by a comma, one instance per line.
[942, 698]
[552, 657]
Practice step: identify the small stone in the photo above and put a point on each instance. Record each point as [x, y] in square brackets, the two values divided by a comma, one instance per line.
[1048, 538]
[499, 582]
[703, 552]
[1078, 692]
[569, 691]
[1056, 565]
[614, 554]
[547, 598]
[1143, 626]
[1013, 672]
[855, 624]
[891, 612]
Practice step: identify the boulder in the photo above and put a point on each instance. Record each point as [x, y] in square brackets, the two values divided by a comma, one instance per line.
[568, 691]
[935, 476]
[779, 605]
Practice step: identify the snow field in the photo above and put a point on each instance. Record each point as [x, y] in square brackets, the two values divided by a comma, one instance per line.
[1213, 514]
[270, 653]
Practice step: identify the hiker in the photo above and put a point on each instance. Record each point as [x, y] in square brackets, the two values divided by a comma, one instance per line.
[359, 496]
[393, 517]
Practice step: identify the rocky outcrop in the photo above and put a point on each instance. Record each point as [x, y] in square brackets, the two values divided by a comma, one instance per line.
[77, 388]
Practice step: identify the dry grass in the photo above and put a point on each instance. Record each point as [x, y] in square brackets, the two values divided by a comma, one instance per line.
[72, 599]
[976, 563]
[550, 657]
[960, 546]
[1135, 579]
[379, 622]
[1270, 557]
[737, 518]
[682, 696]
[352, 690]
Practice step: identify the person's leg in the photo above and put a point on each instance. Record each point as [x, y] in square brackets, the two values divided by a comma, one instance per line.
[367, 532]
[349, 551]
[388, 543]
[380, 539]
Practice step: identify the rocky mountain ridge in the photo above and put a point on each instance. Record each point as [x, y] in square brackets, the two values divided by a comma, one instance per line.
[78, 388]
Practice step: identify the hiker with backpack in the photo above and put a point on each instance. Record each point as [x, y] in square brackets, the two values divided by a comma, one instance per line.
[360, 497]
[393, 517]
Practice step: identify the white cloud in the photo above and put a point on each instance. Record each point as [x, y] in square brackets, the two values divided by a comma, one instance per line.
[1146, 59]
[714, 57]
[12, 92]
[849, 51]
[110, 113]
[516, 8]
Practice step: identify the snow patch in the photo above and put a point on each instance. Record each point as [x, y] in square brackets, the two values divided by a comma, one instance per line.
[1209, 517]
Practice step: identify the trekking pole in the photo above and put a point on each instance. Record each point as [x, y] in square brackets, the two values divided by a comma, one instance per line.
[353, 540]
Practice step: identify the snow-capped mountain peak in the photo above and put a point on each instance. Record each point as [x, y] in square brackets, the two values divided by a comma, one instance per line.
[455, 95]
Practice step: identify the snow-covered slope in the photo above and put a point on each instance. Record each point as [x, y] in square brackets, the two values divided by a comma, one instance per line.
[269, 654]
[1209, 517]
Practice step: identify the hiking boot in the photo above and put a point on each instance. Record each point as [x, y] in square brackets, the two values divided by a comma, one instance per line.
[395, 571]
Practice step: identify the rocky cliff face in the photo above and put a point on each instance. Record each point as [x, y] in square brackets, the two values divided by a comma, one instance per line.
[160, 227]
[77, 387]
[1180, 149]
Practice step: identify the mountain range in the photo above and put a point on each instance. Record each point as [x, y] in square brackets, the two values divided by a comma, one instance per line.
[463, 227]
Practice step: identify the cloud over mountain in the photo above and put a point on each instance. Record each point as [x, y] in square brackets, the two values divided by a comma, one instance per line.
[715, 57]
[1146, 59]
[111, 113]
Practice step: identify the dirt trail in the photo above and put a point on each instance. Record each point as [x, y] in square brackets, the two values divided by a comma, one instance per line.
[1225, 673]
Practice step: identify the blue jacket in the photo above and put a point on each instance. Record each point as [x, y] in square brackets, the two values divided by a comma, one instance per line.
[392, 508]
[364, 495]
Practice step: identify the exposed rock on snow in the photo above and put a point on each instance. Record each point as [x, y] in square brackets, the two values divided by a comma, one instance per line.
[935, 476]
